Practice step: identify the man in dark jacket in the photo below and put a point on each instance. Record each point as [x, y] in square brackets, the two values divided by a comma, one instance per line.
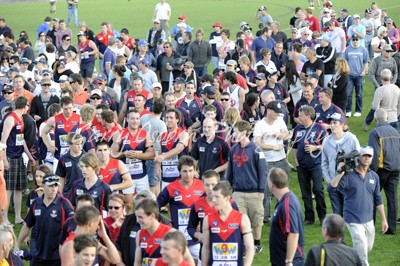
[386, 143]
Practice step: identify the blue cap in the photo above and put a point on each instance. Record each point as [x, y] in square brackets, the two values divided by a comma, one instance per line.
[142, 43]
[324, 37]
[144, 61]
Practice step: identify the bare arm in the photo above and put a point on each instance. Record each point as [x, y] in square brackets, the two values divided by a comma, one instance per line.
[294, 153]
[8, 124]
[115, 148]
[248, 240]
[381, 211]
[23, 234]
[241, 99]
[205, 252]
[291, 245]
[67, 254]
[45, 134]
[183, 143]
[123, 110]
[138, 252]
[126, 178]
[108, 252]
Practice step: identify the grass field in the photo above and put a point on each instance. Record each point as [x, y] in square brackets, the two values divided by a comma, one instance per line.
[136, 15]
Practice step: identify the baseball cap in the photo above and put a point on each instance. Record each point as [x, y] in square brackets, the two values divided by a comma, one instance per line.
[324, 37]
[41, 60]
[326, 10]
[367, 150]
[245, 28]
[209, 90]
[344, 10]
[179, 80]
[125, 30]
[217, 24]
[261, 8]
[46, 72]
[329, 4]
[182, 17]
[368, 11]
[156, 20]
[13, 69]
[295, 30]
[231, 62]
[82, 24]
[8, 88]
[56, 19]
[337, 117]
[275, 106]
[101, 76]
[387, 48]
[240, 43]
[63, 79]
[389, 20]
[340, 19]
[51, 179]
[45, 82]
[144, 61]
[81, 33]
[356, 16]
[243, 23]
[142, 43]
[96, 92]
[273, 73]
[261, 76]
[24, 60]
[156, 85]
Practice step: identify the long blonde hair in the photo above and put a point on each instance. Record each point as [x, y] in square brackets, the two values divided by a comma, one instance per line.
[342, 67]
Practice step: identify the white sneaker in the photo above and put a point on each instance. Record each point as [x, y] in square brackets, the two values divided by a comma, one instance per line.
[357, 114]
[348, 114]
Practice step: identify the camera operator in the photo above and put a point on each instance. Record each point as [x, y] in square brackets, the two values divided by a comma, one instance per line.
[338, 141]
[360, 189]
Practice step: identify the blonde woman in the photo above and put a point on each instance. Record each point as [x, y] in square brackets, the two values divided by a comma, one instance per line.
[338, 83]
[72, 63]
[231, 117]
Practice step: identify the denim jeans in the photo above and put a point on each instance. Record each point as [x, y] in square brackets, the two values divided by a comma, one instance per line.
[355, 82]
[215, 61]
[200, 71]
[73, 11]
[312, 179]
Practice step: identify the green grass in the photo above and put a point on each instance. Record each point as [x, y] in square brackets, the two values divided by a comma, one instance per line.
[136, 15]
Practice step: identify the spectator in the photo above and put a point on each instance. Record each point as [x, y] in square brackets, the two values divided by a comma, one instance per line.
[264, 41]
[357, 30]
[287, 245]
[333, 251]
[360, 189]
[339, 83]
[385, 141]
[116, 210]
[358, 69]
[327, 53]
[199, 52]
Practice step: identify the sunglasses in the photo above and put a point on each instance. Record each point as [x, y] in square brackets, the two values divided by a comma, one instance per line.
[113, 207]
[224, 99]
[67, 40]
[8, 92]
[95, 98]
[46, 85]
[42, 35]
[355, 40]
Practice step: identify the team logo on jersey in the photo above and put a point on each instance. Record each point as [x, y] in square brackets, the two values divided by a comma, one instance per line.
[201, 214]
[132, 234]
[74, 123]
[143, 245]
[113, 171]
[38, 212]
[140, 139]
[215, 230]
[198, 192]
[215, 223]
[201, 209]
[225, 251]
[157, 241]
[234, 226]
[149, 261]
[144, 238]
[214, 150]
[94, 195]
[60, 121]
[53, 213]
[178, 198]
[183, 216]
[176, 192]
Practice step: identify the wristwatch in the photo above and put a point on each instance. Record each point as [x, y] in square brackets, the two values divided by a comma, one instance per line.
[288, 261]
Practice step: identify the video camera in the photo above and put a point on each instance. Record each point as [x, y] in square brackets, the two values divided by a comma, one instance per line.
[349, 161]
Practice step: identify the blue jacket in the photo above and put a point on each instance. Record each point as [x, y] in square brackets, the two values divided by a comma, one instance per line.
[386, 143]
[247, 168]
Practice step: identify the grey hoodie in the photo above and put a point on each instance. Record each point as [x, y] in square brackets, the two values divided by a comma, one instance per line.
[330, 149]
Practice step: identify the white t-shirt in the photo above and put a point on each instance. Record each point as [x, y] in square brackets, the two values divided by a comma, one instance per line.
[162, 11]
[261, 128]
[379, 43]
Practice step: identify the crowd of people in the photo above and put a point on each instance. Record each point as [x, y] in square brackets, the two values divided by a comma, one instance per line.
[113, 131]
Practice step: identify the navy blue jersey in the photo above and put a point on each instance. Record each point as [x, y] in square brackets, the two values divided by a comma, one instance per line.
[210, 155]
[15, 141]
[286, 219]
[180, 202]
[69, 226]
[303, 102]
[193, 108]
[89, 137]
[99, 192]
[68, 168]
[322, 116]
[185, 120]
[48, 222]
[313, 135]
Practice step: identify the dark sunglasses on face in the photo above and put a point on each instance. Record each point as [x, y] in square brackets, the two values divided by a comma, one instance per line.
[224, 99]
[113, 207]
[95, 98]
[8, 92]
